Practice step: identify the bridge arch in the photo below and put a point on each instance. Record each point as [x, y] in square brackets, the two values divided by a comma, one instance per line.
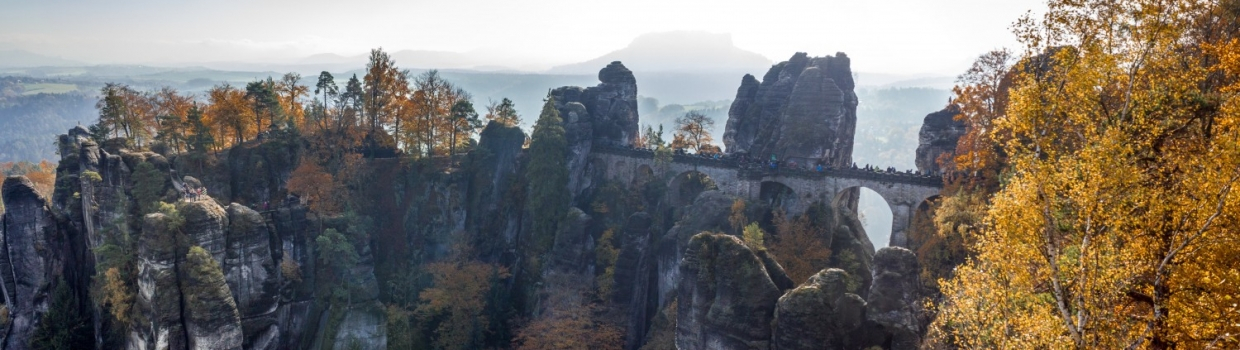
[778, 195]
[642, 174]
[876, 212]
[921, 224]
[686, 186]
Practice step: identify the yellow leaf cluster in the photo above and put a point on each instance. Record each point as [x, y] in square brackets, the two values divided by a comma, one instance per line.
[1116, 227]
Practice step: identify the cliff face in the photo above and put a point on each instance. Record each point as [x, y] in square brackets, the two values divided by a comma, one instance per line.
[804, 110]
[207, 277]
[731, 297]
[727, 294]
[242, 265]
[939, 134]
[604, 113]
[32, 258]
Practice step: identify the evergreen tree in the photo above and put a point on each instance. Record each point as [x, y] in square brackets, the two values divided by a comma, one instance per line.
[548, 174]
[327, 87]
[352, 96]
[504, 112]
[64, 326]
[263, 101]
[148, 187]
[202, 138]
[464, 122]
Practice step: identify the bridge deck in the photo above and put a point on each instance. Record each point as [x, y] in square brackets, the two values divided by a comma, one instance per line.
[757, 170]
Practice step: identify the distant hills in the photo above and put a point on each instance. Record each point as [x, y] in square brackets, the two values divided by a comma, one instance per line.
[676, 51]
[22, 58]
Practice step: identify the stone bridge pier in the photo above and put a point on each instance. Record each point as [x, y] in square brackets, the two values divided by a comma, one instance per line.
[793, 190]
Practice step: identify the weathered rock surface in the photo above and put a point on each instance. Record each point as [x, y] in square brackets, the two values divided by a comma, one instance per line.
[30, 259]
[572, 250]
[939, 134]
[636, 278]
[708, 213]
[893, 300]
[818, 314]
[250, 271]
[159, 297]
[804, 110]
[727, 296]
[363, 328]
[211, 318]
[603, 113]
[496, 164]
[205, 225]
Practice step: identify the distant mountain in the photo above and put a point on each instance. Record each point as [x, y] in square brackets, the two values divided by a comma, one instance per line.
[331, 58]
[21, 58]
[874, 80]
[411, 59]
[682, 51]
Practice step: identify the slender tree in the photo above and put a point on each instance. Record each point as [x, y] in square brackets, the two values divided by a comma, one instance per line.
[694, 128]
[326, 86]
[548, 196]
[504, 112]
[464, 121]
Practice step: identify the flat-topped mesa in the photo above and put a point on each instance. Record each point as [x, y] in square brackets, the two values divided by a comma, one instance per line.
[804, 110]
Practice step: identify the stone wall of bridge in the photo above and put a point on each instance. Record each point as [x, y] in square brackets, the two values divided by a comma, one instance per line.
[903, 192]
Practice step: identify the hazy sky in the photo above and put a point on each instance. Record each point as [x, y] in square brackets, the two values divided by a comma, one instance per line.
[888, 36]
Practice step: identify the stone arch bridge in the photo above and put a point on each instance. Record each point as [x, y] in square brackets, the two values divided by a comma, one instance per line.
[794, 190]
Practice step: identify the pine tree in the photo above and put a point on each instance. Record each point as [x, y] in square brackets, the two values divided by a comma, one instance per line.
[64, 326]
[148, 187]
[548, 174]
[464, 122]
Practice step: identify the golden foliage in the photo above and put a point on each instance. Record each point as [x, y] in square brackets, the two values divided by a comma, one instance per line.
[693, 132]
[1117, 224]
[569, 322]
[799, 246]
[754, 237]
[290, 270]
[737, 217]
[229, 113]
[605, 255]
[118, 296]
[314, 184]
[459, 295]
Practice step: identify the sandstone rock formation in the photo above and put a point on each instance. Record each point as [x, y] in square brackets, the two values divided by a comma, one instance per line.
[182, 288]
[708, 213]
[804, 110]
[211, 318]
[250, 271]
[603, 113]
[727, 295]
[250, 305]
[939, 134]
[159, 291]
[819, 314]
[893, 302]
[30, 261]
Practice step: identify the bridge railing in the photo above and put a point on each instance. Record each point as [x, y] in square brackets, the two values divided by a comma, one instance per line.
[760, 169]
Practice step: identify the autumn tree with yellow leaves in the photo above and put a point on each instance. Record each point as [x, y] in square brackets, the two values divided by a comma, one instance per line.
[1114, 225]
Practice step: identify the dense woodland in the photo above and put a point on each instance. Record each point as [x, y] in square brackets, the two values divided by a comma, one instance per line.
[1088, 205]
[1095, 200]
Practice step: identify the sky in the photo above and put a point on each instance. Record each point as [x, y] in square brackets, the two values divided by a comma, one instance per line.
[881, 36]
